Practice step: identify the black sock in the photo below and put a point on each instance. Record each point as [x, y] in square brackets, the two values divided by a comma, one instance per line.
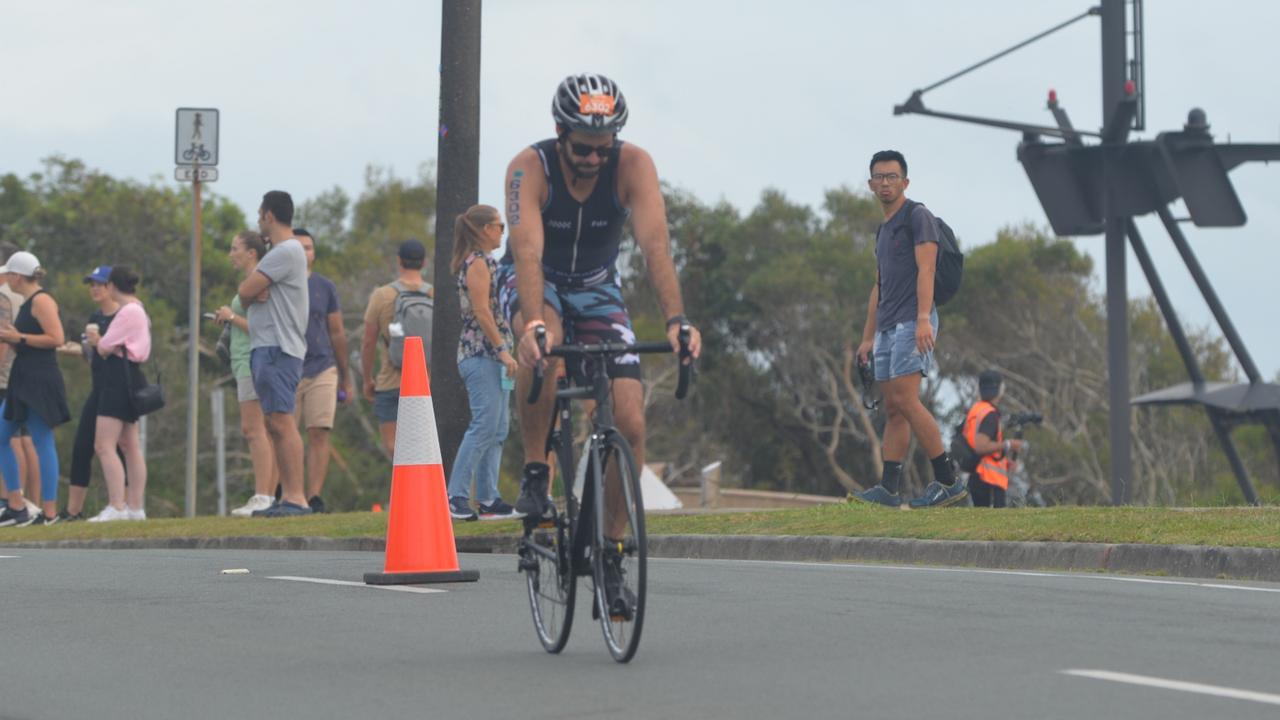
[537, 472]
[892, 477]
[942, 469]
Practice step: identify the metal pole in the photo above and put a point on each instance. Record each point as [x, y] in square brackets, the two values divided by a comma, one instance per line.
[1220, 427]
[1114, 65]
[458, 178]
[217, 406]
[193, 350]
[1210, 296]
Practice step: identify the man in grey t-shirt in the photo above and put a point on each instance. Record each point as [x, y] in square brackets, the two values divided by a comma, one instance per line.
[901, 326]
[277, 301]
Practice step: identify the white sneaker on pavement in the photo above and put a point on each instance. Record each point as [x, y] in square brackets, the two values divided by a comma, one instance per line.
[257, 502]
[110, 514]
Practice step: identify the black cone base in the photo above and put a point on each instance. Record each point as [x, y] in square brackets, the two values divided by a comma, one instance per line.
[421, 578]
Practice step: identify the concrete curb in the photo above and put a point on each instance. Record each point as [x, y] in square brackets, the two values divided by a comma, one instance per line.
[1195, 561]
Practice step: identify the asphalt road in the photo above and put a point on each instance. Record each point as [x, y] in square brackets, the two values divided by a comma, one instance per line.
[164, 634]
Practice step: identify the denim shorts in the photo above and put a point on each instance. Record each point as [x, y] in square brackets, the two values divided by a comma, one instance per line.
[275, 378]
[896, 354]
[386, 405]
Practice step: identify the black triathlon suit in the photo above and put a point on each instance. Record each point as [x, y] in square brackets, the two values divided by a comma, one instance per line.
[580, 248]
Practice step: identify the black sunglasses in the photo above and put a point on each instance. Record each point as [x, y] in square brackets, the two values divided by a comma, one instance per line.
[585, 150]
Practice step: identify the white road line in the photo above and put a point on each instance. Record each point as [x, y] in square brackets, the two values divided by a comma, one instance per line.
[352, 583]
[986, 571]
[8, 557]
[1190, 687]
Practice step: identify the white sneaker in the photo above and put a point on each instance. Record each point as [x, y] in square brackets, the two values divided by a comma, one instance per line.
[110, 514]
[257, 502]
[139, 514]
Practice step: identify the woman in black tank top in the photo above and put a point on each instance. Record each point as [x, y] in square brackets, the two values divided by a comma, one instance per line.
[36, 396]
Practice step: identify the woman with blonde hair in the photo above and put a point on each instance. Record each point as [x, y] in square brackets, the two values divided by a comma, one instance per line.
[485, 364]
[247, 248]
[37, 395]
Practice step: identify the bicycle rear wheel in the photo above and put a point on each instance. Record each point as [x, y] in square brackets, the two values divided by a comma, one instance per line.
[546, 559]
[619, 552]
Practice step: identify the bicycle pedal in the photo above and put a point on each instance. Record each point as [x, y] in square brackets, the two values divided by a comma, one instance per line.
[526, 565]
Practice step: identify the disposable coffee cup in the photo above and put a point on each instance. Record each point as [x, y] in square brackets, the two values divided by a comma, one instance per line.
[91, 329]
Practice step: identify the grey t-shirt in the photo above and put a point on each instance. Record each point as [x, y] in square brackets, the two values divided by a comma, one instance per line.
[896, 262]
[282, 320]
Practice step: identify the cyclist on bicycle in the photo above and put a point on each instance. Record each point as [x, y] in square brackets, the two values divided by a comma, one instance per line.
[567, 199]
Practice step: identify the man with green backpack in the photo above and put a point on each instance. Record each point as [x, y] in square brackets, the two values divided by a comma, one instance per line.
[396, 311]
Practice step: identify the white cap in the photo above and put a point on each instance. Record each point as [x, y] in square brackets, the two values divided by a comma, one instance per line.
[22, 263]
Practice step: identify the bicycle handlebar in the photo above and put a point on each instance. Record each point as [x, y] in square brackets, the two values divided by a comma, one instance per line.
[613, 348]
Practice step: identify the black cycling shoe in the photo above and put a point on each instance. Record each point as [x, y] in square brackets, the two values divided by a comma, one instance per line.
[532, 502]
[619, 597]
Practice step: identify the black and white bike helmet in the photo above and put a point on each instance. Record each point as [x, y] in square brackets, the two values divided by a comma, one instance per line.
[589, 103]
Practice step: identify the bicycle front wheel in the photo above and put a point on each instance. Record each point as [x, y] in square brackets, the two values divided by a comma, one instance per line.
[546, 559]
[619, 552]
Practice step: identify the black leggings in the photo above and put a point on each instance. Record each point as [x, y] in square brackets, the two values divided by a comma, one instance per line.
[82, 449]
[985, 495]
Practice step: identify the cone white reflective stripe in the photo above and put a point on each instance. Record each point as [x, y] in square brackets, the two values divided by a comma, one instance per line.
[416, 440]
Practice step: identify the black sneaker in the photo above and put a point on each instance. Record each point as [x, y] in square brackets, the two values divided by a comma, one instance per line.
[15, 518]
[264, 511]
[533, 492]
[284, 509]
[938, 495]
[65, 516]
[619, 597]
[317, 504]
[42, 519]
[877, 495]
[498, 510]
[460, 509]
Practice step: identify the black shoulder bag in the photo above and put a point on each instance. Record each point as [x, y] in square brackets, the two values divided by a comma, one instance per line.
[146, 397]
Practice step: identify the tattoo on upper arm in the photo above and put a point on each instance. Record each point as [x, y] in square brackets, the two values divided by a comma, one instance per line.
[513, 198]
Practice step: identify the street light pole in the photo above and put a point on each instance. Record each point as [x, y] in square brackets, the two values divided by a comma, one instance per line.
[457, 189]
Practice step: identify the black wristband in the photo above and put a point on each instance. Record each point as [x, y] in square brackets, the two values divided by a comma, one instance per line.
[677, 320]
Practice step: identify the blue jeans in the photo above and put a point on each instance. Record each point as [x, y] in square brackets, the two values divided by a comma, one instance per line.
[895, 351]
[481, 448]
[46, 451]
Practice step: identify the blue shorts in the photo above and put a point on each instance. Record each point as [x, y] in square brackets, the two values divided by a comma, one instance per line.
[275, 378]
[386, 405]
[895, 351]
[592, 312]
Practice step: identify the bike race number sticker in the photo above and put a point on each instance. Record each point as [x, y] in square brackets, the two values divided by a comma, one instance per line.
[595, 104]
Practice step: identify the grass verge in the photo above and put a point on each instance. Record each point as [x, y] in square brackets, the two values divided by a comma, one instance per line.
[1242, 527]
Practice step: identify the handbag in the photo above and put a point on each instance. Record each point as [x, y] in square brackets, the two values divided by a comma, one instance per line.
[223, 348]
[146, 398]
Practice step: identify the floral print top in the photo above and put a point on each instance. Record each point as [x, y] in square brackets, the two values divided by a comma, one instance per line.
[473, 342]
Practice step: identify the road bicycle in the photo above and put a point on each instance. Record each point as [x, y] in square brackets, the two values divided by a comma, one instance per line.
[574, 541]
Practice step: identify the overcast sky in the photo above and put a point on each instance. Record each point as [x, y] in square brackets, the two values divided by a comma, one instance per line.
[729, 96]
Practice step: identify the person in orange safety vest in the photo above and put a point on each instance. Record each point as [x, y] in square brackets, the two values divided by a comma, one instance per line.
[990, 482]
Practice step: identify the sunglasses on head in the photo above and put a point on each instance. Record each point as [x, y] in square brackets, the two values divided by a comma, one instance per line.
[585, 150]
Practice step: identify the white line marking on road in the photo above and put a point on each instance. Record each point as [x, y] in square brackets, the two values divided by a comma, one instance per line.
[8, 557]
[1190, 687]
[987, 571]
[352, 583]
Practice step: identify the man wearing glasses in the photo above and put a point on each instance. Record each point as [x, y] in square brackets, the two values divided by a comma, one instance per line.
[899, 335]
[567, 199]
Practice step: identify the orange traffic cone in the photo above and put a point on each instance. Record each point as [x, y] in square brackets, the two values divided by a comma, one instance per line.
[420, 547]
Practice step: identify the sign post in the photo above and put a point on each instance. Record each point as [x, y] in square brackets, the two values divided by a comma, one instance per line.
[195, 152]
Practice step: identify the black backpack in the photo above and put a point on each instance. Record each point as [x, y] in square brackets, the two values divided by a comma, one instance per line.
[962, 452]
[950, 268]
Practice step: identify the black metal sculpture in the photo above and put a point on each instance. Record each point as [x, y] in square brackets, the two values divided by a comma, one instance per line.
[1090, 189]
